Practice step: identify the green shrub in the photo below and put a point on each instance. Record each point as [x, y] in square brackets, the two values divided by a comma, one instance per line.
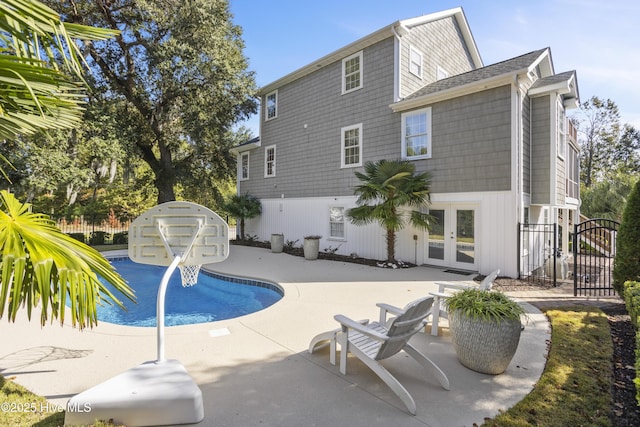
[78, 236]
[627, 260]
[486, 305]
[97, 238]
[632, 301]
[121, 238]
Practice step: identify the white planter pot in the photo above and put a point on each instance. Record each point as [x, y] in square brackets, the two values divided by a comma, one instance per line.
[484, 346]
[277, 242]
[311, 248]
[562, 267]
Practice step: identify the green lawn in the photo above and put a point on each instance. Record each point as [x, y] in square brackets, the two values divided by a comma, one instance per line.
[575, 387]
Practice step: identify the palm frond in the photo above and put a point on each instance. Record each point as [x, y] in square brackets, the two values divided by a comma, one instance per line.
[34, 92]
[41, 266]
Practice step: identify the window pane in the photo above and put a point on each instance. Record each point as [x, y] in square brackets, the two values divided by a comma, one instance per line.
[351, 146]
[352, 73]
[415, 62]
[465, 236]
[336, 222]
[436, 235]
[245, 166]
[415, 133]
[417, 146]
[337, 230]
[352, 65]
[271, 105]
[270, 161]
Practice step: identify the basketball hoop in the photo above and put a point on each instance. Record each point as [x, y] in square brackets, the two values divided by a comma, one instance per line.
[181, 235]
[189, 274]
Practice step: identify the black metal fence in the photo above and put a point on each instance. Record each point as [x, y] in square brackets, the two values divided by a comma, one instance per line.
[594, 243]
[108, 232]
[540, 259]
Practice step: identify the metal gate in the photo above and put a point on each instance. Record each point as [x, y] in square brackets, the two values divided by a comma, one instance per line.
[594, 247]
[540, 259]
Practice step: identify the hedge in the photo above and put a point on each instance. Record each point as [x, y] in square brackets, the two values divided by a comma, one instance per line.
[632, 301]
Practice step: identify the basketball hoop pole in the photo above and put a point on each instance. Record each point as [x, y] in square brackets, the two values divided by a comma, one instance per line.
[162, 290]
[160, 305]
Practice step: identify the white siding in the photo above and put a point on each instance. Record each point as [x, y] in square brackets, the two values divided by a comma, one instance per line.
[298, 217]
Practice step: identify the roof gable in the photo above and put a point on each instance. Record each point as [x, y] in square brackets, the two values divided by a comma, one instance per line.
[396, 28]
[566, 84]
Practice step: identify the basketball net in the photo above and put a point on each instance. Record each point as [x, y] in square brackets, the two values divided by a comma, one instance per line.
[189, 274]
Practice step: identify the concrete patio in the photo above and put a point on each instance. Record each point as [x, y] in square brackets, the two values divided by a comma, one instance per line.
[255, 370]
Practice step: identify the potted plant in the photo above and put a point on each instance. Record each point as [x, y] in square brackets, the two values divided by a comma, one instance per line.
[277, 242]
[311, 247]
[485, 329]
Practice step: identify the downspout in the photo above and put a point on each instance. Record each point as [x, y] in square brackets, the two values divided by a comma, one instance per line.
[519, 174]
[519, 140]
[397, 49]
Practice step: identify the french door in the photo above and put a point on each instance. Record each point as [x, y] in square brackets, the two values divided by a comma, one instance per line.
[451, 241]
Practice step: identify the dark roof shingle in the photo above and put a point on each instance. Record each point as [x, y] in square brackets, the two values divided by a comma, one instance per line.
[493, 70]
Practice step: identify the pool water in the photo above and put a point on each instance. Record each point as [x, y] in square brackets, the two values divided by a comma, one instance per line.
[209, 300]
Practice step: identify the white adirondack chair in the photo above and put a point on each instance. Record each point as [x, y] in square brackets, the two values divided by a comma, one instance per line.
[375, 341]
[446, 289]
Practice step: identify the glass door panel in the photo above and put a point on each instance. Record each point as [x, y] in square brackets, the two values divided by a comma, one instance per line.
[465, 236]
[436, 235]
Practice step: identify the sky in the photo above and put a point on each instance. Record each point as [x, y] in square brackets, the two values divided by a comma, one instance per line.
[600, 39]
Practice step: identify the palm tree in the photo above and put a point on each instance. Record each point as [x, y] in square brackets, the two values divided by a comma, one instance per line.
[391, 193]
[40, 265]
[243, 207]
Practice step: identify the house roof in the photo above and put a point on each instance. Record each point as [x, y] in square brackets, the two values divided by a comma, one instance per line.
[565, 83]
[483, 78]
[499, 69]
[248, 145]
[398, 28]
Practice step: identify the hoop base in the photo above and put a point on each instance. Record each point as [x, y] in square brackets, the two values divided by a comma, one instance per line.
[189, 274]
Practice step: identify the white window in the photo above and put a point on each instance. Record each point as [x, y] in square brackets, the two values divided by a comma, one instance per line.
[416, 134]
[271, 112]
[270, 161]
[351, 146]
[415, 61]
[352, 72]
[336, 222]
[561, 145]
[243, 166]
[441, 73]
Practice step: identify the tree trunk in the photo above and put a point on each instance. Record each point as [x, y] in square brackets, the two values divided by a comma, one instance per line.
[241, 229]
[164, 183]
[391, 245]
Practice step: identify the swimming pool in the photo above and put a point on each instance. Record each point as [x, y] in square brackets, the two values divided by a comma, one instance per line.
[214, 297]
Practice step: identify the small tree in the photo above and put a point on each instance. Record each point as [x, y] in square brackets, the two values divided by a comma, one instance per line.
[243, 207]
[391, 194]
[627, 260]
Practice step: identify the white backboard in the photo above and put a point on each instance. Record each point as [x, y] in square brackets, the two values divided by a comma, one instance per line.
[179, 222]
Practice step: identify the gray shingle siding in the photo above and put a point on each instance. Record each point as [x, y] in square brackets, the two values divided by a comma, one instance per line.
[471, 136]
[540, 150]
[441, 45]
[308, 162]
[471, 143]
